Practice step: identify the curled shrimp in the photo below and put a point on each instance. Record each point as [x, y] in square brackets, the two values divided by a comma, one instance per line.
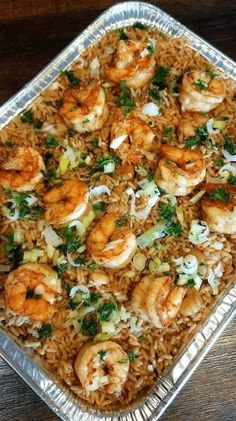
[66, 202]
[22, 169]
[31, 290]
[200, 93]
[103, 364]
[139, 138]
[180, 170]
[191, 304]
[131, 66]
[220, 215]
[109, 245]
[154, 300]
[85, 108]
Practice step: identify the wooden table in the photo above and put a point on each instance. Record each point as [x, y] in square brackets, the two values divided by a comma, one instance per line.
[31, 34]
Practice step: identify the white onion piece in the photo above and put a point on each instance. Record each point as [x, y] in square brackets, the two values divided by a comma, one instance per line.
[31, 200]
[115, 143]
[228, 156]
[214, 180]
[97, 191]
[51, 237]
[151, 109]
[144, 53]
[94, 68]
[139, 261]
[79, 226]
[199, 232]
[7, 213]
[47, 128]
[210, 128]
[72, 262]
[212, 281]
[170, 198]
[76, 288]
[197, 196]
[226, 170]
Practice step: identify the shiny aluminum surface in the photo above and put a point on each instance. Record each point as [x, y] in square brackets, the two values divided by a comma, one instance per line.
[62, 402]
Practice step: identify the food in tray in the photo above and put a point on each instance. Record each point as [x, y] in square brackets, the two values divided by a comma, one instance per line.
[118, 221]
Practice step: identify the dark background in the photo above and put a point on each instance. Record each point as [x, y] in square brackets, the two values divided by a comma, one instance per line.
[31, 34]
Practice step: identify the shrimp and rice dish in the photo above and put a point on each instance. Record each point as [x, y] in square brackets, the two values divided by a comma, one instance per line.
[118, 213]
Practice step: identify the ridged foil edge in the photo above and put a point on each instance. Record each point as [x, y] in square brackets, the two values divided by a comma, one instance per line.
[58, 398]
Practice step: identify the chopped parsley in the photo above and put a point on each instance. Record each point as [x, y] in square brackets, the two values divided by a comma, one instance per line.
[104, 160]
[219, 194]
[72, 240]
[90, 326]
[132, 356]
[61, 268]
[95, 142]
[168, 131]
[99, 206]
[121, 222]
[162, 73]
[47, 157]
[166, 211]
[13, 250]
[71, 132]
[192, 141]
[102, 354]
[92, 266]
[122, 33]
[125, 100]
[229, 146]
[173, 228]
[155, 94]
[201, 84]
[19, 202]
[199, 139]
[219, 162]
[213, 75]
[45, 331]
[151, 48]
[232, 180]
[105, 311]
[28, 117]
[140, 25]
[174, 86]
[190, 283]
[51, 142]
[74, 81]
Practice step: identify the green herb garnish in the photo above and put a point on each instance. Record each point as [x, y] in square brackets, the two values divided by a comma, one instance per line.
[173, 228]
[28, 117]
[125, 100]
[219, 162]
[72, 240]
[99, 206]
[166, 211]
[74, 81]
[232, 180]
[155, 94]
[192, 141]
[140, 25]
[90, 326]
[162, 72]
[132, 356]
[201, 84]
[61, 268]
[19, 201]
[190, 283]
[122, 33]
[71, 132]
[45, 331]
[105, 311]
[151, 48]
[12, 250]
[219, 194]
[50, 141]
[95, 142]
[229, 146]
[213, 75]
[92, 266]
[121, 222]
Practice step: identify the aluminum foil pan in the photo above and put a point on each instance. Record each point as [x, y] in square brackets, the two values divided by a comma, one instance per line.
[62, 402]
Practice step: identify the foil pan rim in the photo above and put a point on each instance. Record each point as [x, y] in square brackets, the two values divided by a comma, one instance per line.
[62, 402]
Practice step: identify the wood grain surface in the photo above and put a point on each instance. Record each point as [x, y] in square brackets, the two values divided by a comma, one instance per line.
[31, 34]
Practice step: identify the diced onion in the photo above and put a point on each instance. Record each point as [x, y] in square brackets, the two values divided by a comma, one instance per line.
[72, 262]
[76, 288]
[144, 53]
[199, 232]
[170, 198]
[32, 256]
[94, 68]
[133, 325]
[115, 143]
[141, 171]
[139, 261]
[63, 165]
[108, 327]
[219, 124]
[7, 213]
[214, 180]
[180, 215]
[109, 168]
[151, 109]
[97, 191]
[197, 197]
[212, 281]
[79, 226]
[18, 235]
[147, 238]
[150, 368]
[210, 127]
[228, 156]
[48, 128]
[51, 237]
[226, 170]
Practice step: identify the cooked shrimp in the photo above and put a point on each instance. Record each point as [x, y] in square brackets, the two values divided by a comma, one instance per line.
[85, 108]
[153, 299]
[191, 304]
[103, 364]
[131, 66]
[180, 170]
[31, 290]
[200, 93]
[66, 202]
[109, 245]
[220, 215]
[139, 138]
[98, 278]
[22, 169]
